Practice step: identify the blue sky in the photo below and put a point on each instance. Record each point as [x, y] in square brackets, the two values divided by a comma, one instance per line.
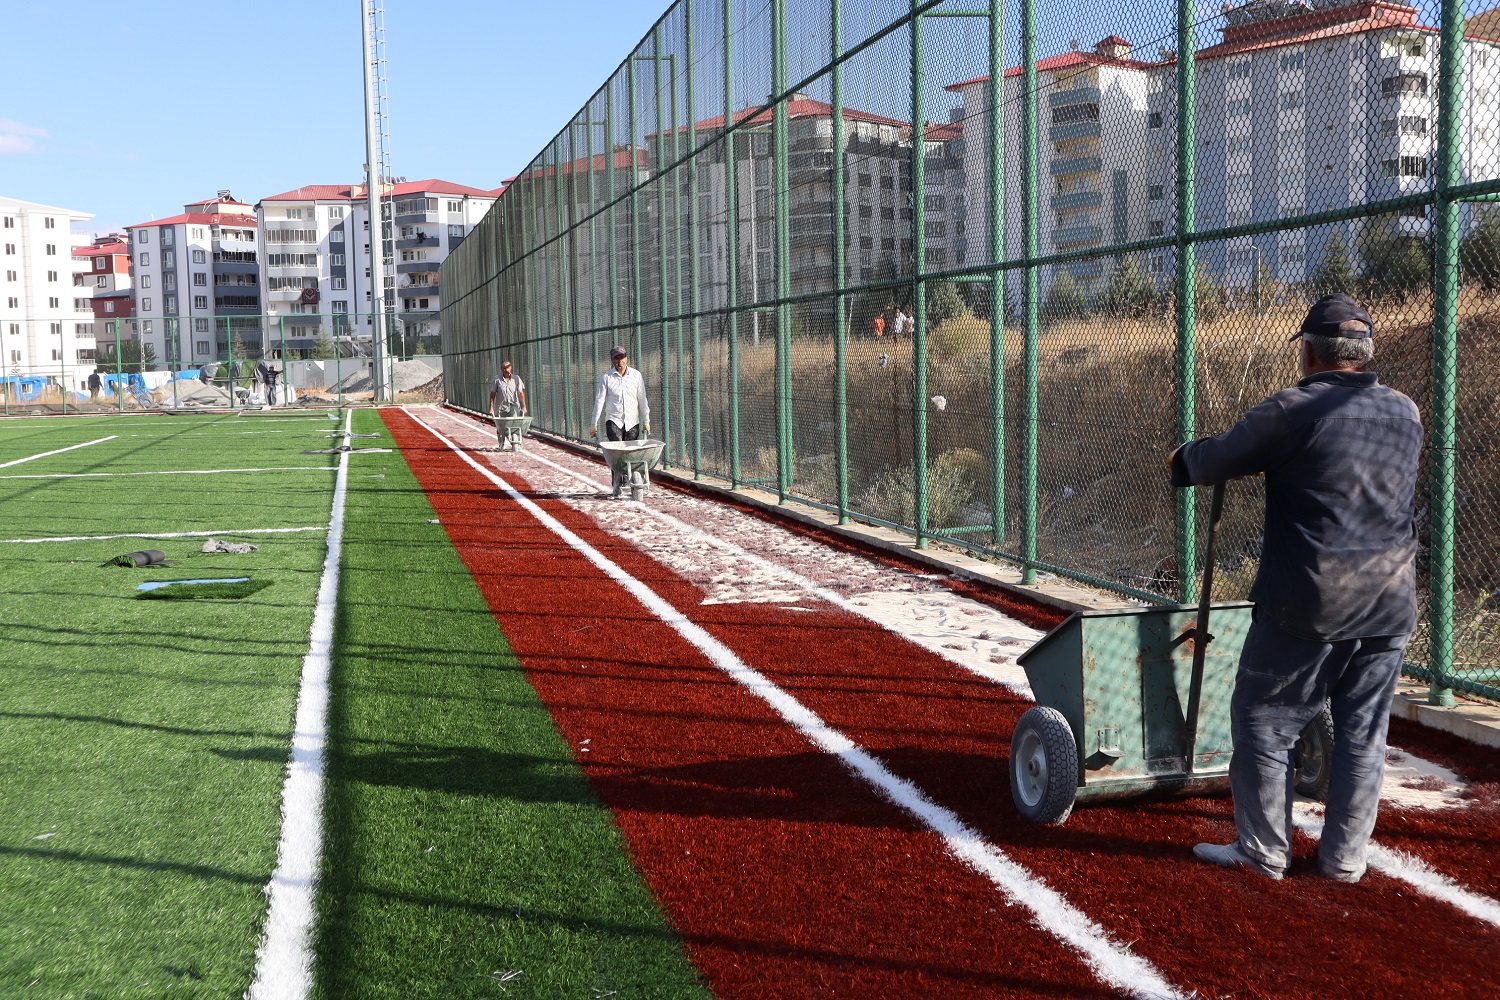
[165, 102]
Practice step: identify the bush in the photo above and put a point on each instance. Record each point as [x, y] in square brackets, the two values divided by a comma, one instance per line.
[1208, 297]
[133, 357]
[944, 302]
[1396, 264]
[1479, 252]
[950, 490]
[1129, 292]
[1336, 272]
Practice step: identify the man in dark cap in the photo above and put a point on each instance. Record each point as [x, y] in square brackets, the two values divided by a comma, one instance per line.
[1335, 594]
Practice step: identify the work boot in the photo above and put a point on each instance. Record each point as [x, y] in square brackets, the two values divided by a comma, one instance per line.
[1231, 856]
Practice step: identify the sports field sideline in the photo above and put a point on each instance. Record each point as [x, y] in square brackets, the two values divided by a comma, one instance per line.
[476, 730]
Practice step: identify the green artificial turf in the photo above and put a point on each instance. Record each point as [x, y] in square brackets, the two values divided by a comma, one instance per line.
[463, 844]
[205, 591]
[144, 743]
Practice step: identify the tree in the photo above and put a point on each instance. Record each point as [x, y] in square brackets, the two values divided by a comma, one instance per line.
[1065, 300]
[1336, 272]
[1208, 297]
[944, 302]
[134, 357]
[1396, 264]
[323, 348]
[1479, 252]
[1129, 292]
[237, 349]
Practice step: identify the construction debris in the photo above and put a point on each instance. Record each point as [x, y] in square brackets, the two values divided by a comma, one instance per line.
[233, 548]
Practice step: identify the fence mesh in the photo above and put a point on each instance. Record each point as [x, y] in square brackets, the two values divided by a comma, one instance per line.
[973, 269]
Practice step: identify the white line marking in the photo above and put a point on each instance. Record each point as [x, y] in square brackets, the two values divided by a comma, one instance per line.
[1411, 870]
[812, 587]
[283, 967]
[161, 534]
[1110, 960]
[177, 472]
[59, 451]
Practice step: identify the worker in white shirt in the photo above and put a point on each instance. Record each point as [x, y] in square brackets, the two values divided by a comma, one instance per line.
[621, 401]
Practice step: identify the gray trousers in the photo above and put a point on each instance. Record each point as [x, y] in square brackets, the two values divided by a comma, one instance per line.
[1282, 683]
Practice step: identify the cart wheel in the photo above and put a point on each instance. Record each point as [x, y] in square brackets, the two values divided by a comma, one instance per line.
[1043, 766]
[1314, 756]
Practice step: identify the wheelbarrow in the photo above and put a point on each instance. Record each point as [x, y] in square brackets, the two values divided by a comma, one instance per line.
[1135, 702]
[630, 464]
[511, 430]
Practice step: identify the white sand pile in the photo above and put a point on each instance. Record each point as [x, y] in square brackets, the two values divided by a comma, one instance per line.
[408, 375]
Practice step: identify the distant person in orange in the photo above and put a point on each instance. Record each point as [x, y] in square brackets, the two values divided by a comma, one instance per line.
[879, 325]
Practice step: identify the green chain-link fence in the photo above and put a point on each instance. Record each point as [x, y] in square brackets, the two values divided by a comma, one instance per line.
[820, 304]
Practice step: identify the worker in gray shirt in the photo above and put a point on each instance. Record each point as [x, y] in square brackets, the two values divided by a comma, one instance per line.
[621, 401]
[1335, 593]
[507, 393]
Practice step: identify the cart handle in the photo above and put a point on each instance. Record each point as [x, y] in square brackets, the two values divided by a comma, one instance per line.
[1201, 636]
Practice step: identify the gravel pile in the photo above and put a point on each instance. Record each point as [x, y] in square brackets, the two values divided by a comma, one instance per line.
[408, 376]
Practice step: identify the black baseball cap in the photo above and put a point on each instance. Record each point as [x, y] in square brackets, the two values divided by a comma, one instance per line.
[618, 352]
[1337, 315]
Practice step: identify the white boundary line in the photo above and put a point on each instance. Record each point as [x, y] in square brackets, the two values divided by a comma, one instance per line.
[1414, 872]
[812, 587]
[161, 534]
[176, 472]
[59, 451]
[1110, 960]
[284, 960]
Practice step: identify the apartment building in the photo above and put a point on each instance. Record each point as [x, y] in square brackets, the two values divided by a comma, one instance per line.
[316, 250]
[1092, 162]
[102, 284]
[197, 281]
[1301, 108]
[40, 311]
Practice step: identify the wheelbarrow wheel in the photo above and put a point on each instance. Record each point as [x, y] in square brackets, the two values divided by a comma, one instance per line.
[1043, 766]
[1314, 756]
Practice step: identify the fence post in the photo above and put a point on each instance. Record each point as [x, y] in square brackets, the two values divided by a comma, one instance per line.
[586, 399]
[62, 360]
[919, 288]
[660, 180]
[996, 154]
[567, 247]
[1031, 321]
[635, 223]
[840, 304]
[731, 249]
[119, 370]
[785, 457]
[10, 386]
[1187, 306]
[613, 232]
[379, 315]
[695, 299]
[676, 255]
[1447, 225]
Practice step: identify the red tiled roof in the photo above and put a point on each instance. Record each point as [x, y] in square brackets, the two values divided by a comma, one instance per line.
[199, 219]
[943, 132]
[1313, 26]
[351, 192]
[1066, 60]
[622, 159]
[216, 201]
[801, 107]
[99, 249]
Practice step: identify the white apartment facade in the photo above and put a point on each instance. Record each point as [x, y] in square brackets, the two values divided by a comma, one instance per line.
[40, 316]
[1299, 110]
[196, 282]
[315, 249]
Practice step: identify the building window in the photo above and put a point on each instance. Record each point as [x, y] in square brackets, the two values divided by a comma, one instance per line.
[200, 347]
[1293, 253]
[294, 213]
[167, 237]
[1404, 83]
[146, 304]
[200, 301]
[200, 325]
[337, 236]
[109, 307]
[1153, 119]
[1406, 166]
[171, 303]
[1291, 61]
[1071, 113]
[337, 282]
[199, 278]
[1402, 45]
[340, 306]
[456, 230]
[144, 260]
[51, 249]
[1155, 227]
[455, 206]
[196, 234]
[49, 223]
[1237, 144]
[100, 263]
[336, 212]
[52, 302]
[1239, 108]
[102, 281]
[336, 259]
[169, 280]
[10, 248]
[200, 257]
[1239, 184]
[1238, 217]
[13, 302]
[143, 236]
[10, 276]
[1239, 69]
[10, 223]
[146, 327]
[1291, 100]
[51, 275]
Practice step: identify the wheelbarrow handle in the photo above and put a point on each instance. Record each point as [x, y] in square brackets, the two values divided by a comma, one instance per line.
[1201, 635]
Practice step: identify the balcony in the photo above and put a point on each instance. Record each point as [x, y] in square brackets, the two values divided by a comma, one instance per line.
[412, 218]
[1085, 268]
[1077, 165]
[1074, 130]
[234, 256]
[1077, 234]
[1078, 199]
[418, 242]
[247, 303]
[418, 266]
[1079, 95]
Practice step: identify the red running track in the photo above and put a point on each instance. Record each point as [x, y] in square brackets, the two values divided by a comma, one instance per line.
[787, 877]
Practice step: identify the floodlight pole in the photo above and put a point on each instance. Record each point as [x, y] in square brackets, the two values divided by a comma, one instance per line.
[372, 191]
